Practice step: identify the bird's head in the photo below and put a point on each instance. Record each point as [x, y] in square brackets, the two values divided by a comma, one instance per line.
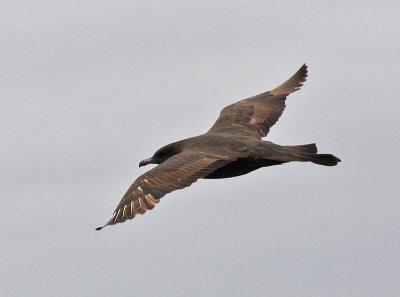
[162, 154]
[147, 161]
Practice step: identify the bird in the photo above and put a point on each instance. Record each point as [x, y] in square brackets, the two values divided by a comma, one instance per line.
[232, 147]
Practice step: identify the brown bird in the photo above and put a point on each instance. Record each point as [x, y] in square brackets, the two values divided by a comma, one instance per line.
[232, 147]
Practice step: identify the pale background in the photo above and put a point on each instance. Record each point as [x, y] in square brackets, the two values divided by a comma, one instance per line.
[90, 88]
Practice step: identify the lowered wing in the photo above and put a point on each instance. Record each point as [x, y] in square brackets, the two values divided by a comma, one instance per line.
[177, 172]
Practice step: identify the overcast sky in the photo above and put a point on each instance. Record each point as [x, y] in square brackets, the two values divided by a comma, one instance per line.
[90, 88]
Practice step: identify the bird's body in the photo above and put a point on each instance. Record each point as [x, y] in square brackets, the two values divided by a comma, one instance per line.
[246, 153]
[232, 147]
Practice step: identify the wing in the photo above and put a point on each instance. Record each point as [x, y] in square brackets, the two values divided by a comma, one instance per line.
[175, 173]
[254, 116]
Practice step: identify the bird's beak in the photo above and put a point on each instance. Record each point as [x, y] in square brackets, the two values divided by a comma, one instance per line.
[146, 161]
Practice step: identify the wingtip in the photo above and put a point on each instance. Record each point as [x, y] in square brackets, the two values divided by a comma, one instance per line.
[302, 73]
[99, 228]
[294, 83]
[304, 68]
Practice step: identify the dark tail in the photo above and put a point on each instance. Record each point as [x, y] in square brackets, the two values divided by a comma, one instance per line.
[324, 159]
[308, 152]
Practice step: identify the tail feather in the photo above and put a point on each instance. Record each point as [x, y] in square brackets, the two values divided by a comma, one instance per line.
[305, 148]
[325, 159]
[302, 153]
[308, 152]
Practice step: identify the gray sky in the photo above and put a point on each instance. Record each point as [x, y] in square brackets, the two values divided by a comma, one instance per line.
[90, 88]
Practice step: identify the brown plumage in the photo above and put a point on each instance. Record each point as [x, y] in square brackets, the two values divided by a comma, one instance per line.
[232, 147]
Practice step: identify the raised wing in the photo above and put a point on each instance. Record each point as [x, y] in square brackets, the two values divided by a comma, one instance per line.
[254, 116]
[175, 173]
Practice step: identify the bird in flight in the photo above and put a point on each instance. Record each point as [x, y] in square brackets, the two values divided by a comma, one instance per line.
[232, 147]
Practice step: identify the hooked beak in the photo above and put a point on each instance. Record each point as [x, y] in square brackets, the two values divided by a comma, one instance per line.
[146, 161]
